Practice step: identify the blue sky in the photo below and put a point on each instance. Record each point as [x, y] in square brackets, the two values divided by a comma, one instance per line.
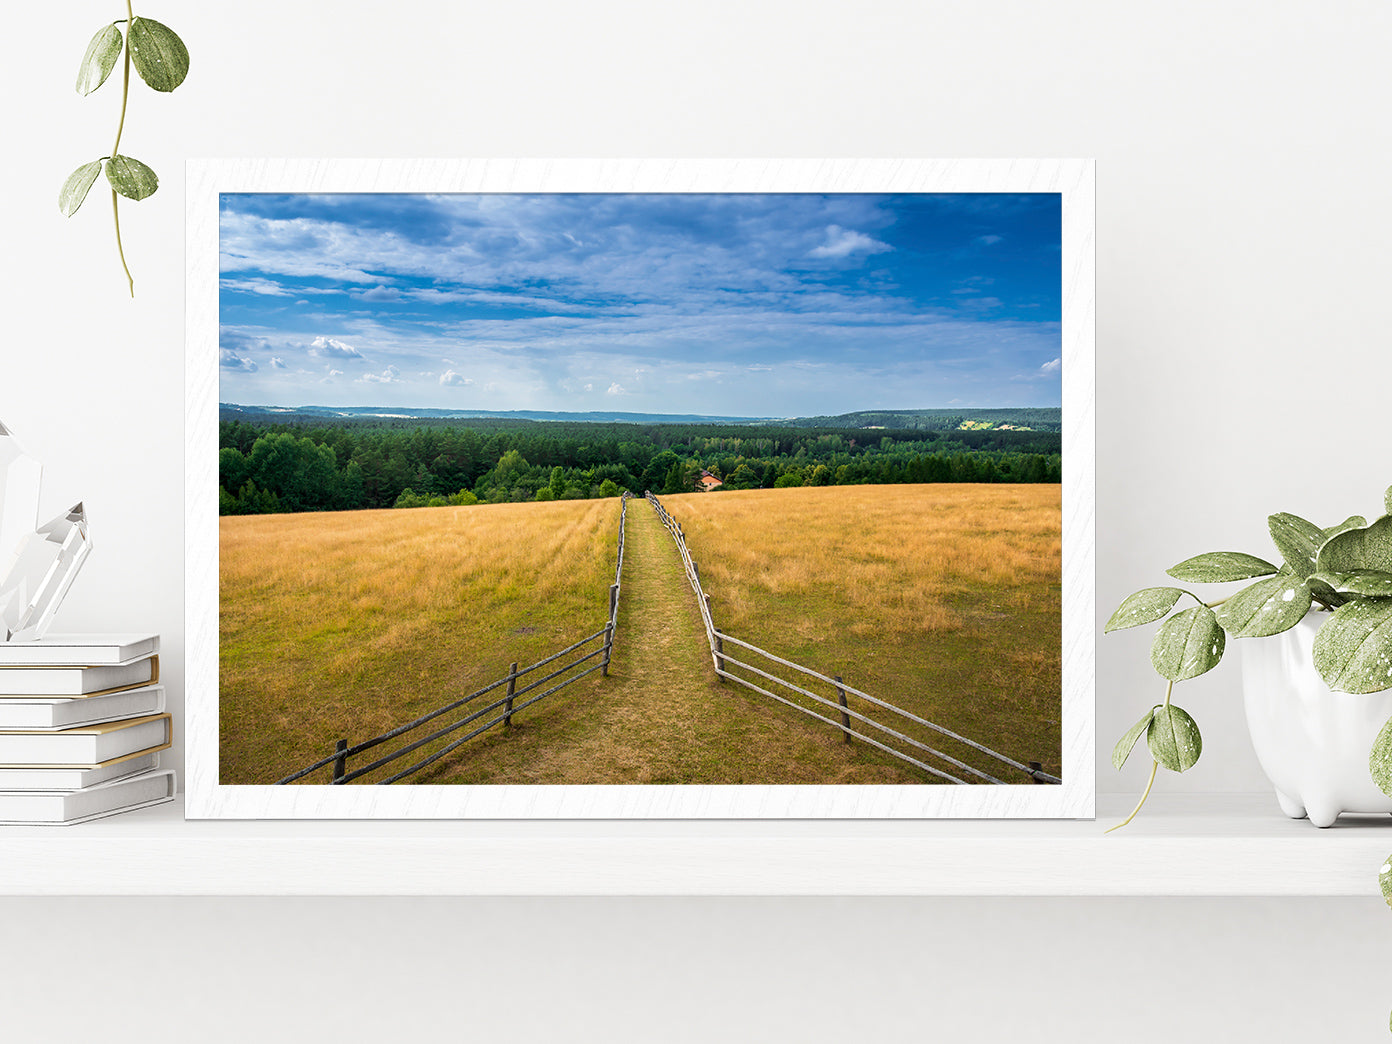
[753, 305]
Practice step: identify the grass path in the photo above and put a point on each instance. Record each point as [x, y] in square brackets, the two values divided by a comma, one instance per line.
[662, 716]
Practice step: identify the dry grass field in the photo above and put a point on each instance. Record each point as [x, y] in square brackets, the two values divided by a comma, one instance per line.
[346, 624]
[942, 599]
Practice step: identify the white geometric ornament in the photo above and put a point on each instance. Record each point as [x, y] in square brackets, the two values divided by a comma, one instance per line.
[38, 564]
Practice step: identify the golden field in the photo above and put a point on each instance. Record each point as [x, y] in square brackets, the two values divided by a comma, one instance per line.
[346, 624]
[942, 599]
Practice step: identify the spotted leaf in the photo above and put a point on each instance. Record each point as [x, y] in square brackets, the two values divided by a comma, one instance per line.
[1267, 607]
[1122, 750]
[100, 59]
[1173, 738]
[76, 187]
[1188, 644]
[158, 54]
[1219, 567]
[1143, 607]
[1353, 650]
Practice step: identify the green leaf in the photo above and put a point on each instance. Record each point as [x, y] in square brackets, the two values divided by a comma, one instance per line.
[1187, 644]
[1218, 567]
[1122, 750]
[1380, 765]
[1267, 607]
[130, 177]
[75, 189]
[1366, 548]
[1352, 522]
[1366, 583]
[1173, 738]
[1143, 607]
[1385, 878]
[1297, 540]
[100, 59]
[160, 57]
[1321, 589]
[1353, 650]
[1387, 500]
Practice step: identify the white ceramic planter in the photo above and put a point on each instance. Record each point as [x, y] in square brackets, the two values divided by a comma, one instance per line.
[1312, 742]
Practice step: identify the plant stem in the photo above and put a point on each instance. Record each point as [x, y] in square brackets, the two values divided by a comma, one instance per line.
[1154, 767]
[120, 127]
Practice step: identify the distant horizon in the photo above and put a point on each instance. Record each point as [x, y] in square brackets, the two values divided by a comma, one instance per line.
[775, 304]
[272, 407]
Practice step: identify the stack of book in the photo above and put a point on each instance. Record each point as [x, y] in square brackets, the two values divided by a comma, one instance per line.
[82, 724]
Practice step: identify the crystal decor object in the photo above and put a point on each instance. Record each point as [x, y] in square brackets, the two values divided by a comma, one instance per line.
[19, 496]
[40, 575]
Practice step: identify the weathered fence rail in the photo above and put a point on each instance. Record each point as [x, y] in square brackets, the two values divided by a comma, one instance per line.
[505, 706]
[724, 661]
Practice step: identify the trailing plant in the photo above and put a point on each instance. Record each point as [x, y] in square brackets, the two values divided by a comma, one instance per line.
[1345, 570]
[162, 61]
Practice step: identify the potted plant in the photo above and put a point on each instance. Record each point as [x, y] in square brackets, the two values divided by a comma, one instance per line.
[1327, 614]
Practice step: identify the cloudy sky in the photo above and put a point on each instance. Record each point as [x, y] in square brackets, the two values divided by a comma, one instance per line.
[749, 305]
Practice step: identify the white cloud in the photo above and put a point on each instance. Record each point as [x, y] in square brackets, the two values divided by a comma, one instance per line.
[615, 389]
[391, 375]
[589, 387]
[1052, 366]
[454, 380]
[989, 240]
[329, 348]
[381, 293]
[842, 242]
[230, 360]
[277, 363]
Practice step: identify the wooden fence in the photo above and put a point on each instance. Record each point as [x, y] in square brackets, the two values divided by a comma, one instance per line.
[503, 707]
[839, 704]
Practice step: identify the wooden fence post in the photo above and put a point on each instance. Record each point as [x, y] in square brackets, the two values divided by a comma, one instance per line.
[512, 688]
[845, 718]
[719, 645]
[608, 648]
[341, 762]
[696, 569]
[1036, 766]
[613, 600]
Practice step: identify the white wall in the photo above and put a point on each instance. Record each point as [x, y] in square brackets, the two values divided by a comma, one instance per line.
[1241, 216]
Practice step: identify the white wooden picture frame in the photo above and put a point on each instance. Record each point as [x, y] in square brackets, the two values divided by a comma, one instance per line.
[207, 798]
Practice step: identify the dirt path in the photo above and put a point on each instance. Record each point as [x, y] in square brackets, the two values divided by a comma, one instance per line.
[662, 715]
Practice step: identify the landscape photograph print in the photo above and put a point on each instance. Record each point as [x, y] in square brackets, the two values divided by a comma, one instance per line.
[549, 489]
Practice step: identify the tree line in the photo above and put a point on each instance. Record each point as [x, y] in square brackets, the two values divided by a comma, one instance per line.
[277, 467]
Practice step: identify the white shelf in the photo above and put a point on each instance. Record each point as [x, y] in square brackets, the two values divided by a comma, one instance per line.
[1196, 845]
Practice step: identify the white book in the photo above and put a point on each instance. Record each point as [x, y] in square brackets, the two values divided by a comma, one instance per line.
[78, 650]
[77, 681]
[65, 807]
[30, 712]
[60, 777]
[87, 745]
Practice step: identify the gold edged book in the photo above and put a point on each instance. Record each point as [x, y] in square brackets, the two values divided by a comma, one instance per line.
[50, 713]
[71, 681]
[79, 650]
[88, 745]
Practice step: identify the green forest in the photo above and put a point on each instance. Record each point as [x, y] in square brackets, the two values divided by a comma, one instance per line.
[267, 467]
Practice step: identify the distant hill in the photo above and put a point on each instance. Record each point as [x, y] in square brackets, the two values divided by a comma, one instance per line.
[1021, 418]
[1024, 418]
[232, 411]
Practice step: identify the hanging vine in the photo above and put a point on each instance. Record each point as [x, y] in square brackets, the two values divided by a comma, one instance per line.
[162, 61]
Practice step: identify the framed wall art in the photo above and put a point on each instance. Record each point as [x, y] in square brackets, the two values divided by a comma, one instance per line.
[640, 489]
